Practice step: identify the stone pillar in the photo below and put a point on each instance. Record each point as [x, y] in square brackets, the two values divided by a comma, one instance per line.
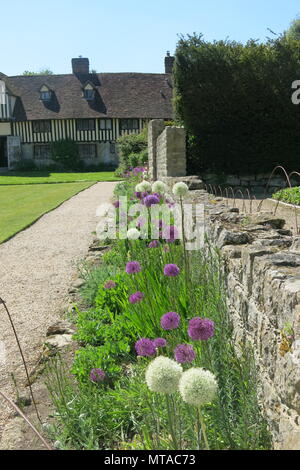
[155, 128]
[171, 152]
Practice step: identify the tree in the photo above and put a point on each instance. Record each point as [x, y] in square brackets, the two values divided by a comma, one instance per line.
[41, 72]
[294, 30]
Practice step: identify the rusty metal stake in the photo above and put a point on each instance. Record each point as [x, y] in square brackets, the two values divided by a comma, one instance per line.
[22, 355]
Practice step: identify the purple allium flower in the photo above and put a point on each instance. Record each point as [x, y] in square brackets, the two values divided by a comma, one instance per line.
[97, 375]
[109, 285]
[145, 347]
[116, 204]
[153, 244]
[151, 200]
[133, 267]
[138, 195]
[171, 270]
[136, 297]
[184, 353]
[201, 328]
[171, 233]
[170, 321]
[160, 343]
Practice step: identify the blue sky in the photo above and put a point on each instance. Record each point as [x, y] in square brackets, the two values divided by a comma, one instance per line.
[128, 35]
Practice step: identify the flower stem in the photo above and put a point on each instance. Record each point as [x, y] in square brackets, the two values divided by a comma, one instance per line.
[171, 424]
[203, 427]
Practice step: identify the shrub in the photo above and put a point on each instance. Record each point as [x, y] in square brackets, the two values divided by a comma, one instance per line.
[289, 195]
[133, 148]
[65, 152]
[25, 165]
[235, 102]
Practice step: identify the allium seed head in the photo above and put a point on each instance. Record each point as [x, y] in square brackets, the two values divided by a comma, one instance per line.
[180, 189]
[163, 375]
[159, 187]
[133, 234]
[198, 386]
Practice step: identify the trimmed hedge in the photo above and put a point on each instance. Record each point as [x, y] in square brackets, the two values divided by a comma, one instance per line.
[235, 102]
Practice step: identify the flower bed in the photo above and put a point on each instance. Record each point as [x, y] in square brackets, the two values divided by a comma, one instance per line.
[157, 367]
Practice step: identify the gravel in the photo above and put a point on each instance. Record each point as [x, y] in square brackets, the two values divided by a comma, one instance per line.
[37, 267]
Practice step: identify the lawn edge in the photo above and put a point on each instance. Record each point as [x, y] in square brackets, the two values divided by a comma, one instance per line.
[50, 210]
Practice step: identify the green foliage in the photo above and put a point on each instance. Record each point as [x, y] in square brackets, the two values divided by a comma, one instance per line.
[66, 153]
[41, 72]
[133, 150]
[235, 102]
[25, 165]
[289, 195]
[121, 412]
[294, 30]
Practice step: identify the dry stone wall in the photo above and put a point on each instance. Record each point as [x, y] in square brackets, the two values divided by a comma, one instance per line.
[262, 262]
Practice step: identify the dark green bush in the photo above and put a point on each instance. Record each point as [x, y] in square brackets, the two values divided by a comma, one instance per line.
[235, 102]
[25, 165]
[65, 152]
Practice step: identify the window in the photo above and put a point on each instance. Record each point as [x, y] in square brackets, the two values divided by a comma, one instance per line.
[42, 152]
[85, 124]
[89, 94]
[45, 95]
[112, 147]
[41, 126]
[129, 124]
[105, 124]
[87, 150]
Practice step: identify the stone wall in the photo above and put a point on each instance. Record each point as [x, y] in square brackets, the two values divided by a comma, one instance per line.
[166, 149]
[256, 183]
[262, 262]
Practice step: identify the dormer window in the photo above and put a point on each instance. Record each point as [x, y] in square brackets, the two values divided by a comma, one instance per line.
[89, 92]
[45, 93]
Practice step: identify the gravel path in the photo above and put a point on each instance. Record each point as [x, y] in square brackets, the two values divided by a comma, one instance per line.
[36, 269]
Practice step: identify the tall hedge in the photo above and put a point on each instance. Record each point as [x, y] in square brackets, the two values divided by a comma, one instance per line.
[235, 102]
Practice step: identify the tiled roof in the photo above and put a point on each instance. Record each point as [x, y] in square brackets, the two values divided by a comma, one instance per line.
[123, 95]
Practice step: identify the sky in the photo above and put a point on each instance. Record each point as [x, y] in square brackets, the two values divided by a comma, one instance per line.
[125, 35]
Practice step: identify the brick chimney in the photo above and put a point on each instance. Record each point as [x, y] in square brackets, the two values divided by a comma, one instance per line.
[169, 62]
[81, 66]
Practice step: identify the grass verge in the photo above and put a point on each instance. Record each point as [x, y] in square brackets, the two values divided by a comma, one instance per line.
[42, 177]
[20, 206]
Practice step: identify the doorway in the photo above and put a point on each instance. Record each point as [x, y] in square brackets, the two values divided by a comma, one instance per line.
[3, 152]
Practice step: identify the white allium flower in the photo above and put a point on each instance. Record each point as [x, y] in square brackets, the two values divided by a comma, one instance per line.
[159, 187]
[198, 386]
[180, 189]
[163, 375]
[138, 189]
[133, 234]
[144, 186]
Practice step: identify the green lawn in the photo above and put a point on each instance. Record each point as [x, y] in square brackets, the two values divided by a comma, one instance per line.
[39, 177]
[21, 205]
